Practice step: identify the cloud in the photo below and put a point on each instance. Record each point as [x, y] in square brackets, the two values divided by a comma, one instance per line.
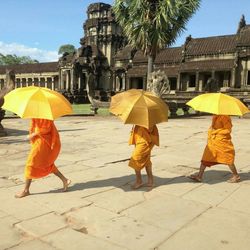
[34, 53]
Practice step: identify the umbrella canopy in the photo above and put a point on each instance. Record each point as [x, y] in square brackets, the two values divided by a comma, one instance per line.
[139, 107]
[219, 104]
[36, 102]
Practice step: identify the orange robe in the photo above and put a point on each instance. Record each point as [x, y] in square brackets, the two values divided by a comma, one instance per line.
[219, 148]
[144, 141]
[45, 148]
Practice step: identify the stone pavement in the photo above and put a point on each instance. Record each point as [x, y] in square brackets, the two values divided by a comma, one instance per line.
[101, 212]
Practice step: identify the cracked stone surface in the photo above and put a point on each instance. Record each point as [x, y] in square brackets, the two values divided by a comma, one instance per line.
[100, 211]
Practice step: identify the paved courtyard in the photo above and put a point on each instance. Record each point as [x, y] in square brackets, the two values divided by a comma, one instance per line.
[101, 212]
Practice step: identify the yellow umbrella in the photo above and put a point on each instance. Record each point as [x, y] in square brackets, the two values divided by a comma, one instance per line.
[219, 104]
[36, 102]
[139, 107]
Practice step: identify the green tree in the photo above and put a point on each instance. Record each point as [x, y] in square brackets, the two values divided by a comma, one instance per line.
[152, 25]
[69, 48]
[14, 59]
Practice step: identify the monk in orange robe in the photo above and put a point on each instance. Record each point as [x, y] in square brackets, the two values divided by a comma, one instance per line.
[45, 147]
[219, 148]
[144, 140]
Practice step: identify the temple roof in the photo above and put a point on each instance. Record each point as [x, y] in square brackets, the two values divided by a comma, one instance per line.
[137, 71]
[124, 54]
[140, 57]
[211, 45]
[196, 47]
[244, 36]
[98, 7]
[31, 68]
[225, 64]
[169, 55]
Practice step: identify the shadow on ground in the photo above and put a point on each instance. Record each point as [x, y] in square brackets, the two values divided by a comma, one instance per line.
[211, 177]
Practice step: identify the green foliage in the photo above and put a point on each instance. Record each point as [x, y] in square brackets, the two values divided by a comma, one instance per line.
[14, 59]
[86, 109]
[68, 48]
[151, 25]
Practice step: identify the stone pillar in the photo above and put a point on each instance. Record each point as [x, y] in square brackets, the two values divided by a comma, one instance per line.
[79, 82]
[178, 83]
[144, 83]
[197, 86]
[71, 79]
[226, 79]
[61, 80]
[67, 80]
[245, 72]
[213, 74]
[233, 78]
[53, 83]
[127, 82]
[123, 82]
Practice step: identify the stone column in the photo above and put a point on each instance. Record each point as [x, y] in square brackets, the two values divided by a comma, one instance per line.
[53, 83]
[178, 84]
[71, 79]
[245, 73]
[233, 78]
[144, 83]
[123, 82]
[213, 74]
[127, 82]
[226, 79]
[197, 86]
[79, 82]
[61, 80]
[67, 80]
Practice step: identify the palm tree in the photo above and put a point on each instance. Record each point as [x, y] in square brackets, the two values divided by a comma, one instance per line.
[151, 25]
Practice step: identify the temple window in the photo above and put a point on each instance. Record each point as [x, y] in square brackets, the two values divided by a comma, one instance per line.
[248, 78]
[92, 31]
[192, 81]
[172, 83]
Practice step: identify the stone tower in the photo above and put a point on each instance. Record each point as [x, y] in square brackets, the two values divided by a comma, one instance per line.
[102, 39]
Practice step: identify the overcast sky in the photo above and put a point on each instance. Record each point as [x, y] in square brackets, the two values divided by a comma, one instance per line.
[37, 28]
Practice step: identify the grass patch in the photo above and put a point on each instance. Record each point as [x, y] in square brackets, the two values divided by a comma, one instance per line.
[85, 109]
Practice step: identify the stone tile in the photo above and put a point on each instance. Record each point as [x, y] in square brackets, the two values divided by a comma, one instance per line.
[131, 233]
[211, 193]
[89, 217]
[20, 208]
[178, 186]
[34, 244]
[78, 240]
[215, 229]
[61, 202]
[166, 212]
[238, 200]
[42, 225]
[8, 235]
[3, 214]
[117, 200]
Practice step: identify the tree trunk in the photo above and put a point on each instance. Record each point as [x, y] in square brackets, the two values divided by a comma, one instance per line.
[90, 87]
[150, 66]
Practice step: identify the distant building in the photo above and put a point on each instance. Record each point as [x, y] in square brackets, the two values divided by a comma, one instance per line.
[116, 66]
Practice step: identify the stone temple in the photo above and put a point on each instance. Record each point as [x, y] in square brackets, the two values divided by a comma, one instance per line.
[115, 66]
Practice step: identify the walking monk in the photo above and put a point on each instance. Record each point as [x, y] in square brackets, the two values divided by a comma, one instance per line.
[45, 147]
[144, 140]
[219, 148]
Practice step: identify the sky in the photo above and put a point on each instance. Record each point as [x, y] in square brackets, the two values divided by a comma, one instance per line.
[37, 28]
